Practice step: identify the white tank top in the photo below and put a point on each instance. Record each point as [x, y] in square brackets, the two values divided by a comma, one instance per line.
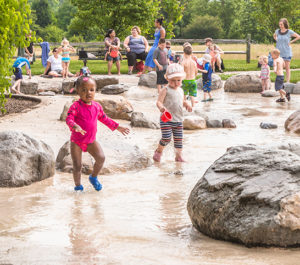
[174, 103]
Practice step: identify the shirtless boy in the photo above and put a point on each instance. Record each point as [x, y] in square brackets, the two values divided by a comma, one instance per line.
[279, 82]
[189, 84]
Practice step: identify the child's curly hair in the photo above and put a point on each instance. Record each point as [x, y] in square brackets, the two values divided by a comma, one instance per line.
[81, 80]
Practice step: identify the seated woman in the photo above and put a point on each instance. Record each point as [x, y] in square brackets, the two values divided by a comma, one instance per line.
[112, 46]
[54, 65]
[136, 47]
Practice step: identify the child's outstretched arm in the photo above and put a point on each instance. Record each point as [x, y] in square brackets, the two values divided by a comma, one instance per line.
[123, 130]
[160, 100]
[186, 105]
[102, 117]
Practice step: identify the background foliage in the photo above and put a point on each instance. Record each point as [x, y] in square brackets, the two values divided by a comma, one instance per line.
[14, 25]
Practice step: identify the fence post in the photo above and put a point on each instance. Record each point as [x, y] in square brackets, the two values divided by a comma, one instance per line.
[248, 44]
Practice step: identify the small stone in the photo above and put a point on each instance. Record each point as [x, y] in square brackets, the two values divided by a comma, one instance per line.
[227, 123]
[266, 125]
[214, 124]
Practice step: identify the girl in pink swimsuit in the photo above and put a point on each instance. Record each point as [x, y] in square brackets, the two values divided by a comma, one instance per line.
[82, 120]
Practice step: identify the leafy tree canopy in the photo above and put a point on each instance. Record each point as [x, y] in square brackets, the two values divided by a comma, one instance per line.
[14, 25]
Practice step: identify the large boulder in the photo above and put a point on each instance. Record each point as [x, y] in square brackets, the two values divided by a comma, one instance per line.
[45, 85]
[114, 89]
[120, 157]
[64, 113]
[148, 79]
[116, 107]
[138, 119]
[194, 123]
[68, 86]
[250, 195]
[296, 89]
[216, 82]
[289, 87]
[102, 81]
[29, 86]
[24, 160]
[292, 124]
[243, 83]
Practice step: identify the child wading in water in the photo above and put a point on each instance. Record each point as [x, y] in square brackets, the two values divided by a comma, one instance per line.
[171, 99]
[82, 120]
[65, 49]
[206, 77]
[189, 84]
[279, 82]
[265, 73]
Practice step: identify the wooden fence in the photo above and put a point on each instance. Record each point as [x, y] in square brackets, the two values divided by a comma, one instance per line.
[246, 41]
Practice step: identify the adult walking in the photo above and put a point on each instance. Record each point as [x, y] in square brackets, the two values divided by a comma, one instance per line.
[112, 46]
[283, 37]
[160, 33]
[136, 47]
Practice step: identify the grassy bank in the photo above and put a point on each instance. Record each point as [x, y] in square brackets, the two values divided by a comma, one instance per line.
[295, 76]
[100, 67]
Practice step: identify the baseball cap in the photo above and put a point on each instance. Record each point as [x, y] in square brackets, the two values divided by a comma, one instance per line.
[206, 57]
[175, 70]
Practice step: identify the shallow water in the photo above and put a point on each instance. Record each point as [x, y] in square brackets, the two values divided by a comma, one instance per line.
[139, 217]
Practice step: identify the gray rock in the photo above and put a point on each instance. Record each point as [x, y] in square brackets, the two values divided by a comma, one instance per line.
[29, 87]
[120, 157]
[266, 125]
[117, 107]
[227, 123]
[138, 119]
[251, 195]
[46, 85]
[68, 86]
[148, 79]
[296, 90]
[289, 87]
[64, 113]
[102, 81]
[194, 123]
[215, 84]
[114, 89]
[270, 93]
[24, 160]
[243, 83]
[292, 124]
[48, 93]
[214, 124]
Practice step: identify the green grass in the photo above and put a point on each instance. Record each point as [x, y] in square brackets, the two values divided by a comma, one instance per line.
[226, 76]
[295, 76]
[241, 65]
[100, 67]
[96, 67]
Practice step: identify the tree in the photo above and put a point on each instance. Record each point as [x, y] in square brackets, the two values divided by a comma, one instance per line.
[269, 12]
[44, 16]
[202, 27]
[64, 14]
[121, 15]
[14, 25]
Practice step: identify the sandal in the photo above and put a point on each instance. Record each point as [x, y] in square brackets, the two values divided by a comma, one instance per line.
[78, 188]
[95, 182]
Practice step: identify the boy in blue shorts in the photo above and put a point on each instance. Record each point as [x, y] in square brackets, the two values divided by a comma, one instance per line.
[206, 77]
[17, 69]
